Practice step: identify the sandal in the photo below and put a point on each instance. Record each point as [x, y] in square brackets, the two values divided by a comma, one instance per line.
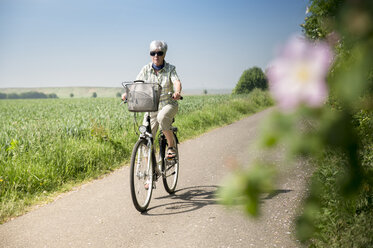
[171, 152]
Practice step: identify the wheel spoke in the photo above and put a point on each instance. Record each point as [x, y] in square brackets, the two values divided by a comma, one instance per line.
[171, 170]
[141, 175]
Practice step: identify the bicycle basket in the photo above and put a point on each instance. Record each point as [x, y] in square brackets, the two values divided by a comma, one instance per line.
[143, 96]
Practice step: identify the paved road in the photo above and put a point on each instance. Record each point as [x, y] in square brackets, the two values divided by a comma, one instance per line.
[101, 214]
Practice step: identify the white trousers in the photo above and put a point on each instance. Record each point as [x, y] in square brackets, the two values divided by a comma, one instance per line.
[163, 118]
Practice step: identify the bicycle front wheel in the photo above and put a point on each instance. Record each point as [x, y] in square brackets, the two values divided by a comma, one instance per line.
[170, 168]
[141, 175]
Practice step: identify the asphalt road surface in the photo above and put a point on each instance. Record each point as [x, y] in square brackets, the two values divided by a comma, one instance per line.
[101, 214]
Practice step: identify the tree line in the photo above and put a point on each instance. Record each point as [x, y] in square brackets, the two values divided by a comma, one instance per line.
[27, 95]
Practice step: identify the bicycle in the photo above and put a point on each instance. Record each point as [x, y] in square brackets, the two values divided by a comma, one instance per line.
[144, 167]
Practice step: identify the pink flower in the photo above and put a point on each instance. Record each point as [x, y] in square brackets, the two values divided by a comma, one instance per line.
[297, 75]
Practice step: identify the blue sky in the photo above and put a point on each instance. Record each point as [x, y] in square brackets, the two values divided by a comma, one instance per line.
[52, 43]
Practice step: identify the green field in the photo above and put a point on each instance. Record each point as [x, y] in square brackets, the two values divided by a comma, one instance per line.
[50, 145]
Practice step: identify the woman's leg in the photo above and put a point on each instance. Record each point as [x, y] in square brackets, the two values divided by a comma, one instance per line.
[165, 117]
[153, 122]
[170, 140]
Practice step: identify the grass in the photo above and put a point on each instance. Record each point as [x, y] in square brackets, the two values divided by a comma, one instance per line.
[341, 221]
[48, 146]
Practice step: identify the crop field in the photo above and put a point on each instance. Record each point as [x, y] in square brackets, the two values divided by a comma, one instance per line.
[50, 145]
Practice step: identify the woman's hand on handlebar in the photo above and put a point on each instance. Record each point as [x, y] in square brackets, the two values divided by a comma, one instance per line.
[124, 97]
[177, 96]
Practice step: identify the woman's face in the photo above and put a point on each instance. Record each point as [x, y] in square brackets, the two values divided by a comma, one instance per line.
[157, 59]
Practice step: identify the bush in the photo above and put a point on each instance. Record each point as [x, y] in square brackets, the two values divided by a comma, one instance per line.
[52, 95]
[13, 96]
[251, 79]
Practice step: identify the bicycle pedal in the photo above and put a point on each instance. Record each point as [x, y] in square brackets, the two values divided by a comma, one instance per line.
[158, 173]
[157, 176]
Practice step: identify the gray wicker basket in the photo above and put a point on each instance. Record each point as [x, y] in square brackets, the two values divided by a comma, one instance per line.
[143, 96]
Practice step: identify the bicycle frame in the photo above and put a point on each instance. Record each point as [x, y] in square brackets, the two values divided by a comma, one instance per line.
[150, 139]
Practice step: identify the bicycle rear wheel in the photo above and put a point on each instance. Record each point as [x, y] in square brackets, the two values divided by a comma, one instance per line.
[170, 169]
[141, 175]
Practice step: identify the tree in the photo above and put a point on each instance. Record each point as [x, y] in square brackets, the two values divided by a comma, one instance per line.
[71, 95]
[52, 95]
[94, 95]
[13, 96]
[119, 94]
[251, 79]
[28, 95]
[205, 92]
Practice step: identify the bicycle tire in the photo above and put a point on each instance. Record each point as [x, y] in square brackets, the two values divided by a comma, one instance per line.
[141, 174]
[170, 169]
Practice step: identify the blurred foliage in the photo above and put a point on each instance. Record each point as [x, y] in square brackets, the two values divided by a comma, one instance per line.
[322, 18]
[244, 189]
[337, 138]
[251, 79]
[344, 184]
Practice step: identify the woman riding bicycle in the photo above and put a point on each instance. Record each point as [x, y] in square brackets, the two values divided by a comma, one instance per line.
[159, 71]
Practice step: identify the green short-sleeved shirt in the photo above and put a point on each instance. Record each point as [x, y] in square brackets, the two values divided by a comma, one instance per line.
[165, 77]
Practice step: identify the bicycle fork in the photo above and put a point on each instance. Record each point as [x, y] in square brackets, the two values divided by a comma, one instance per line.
[148, 168]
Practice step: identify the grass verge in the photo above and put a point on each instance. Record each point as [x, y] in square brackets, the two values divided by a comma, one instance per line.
[345, 221]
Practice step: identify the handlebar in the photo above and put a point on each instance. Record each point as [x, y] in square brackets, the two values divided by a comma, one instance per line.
[170, 93]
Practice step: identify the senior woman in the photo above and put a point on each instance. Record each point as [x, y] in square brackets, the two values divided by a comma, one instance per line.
[159, 71]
